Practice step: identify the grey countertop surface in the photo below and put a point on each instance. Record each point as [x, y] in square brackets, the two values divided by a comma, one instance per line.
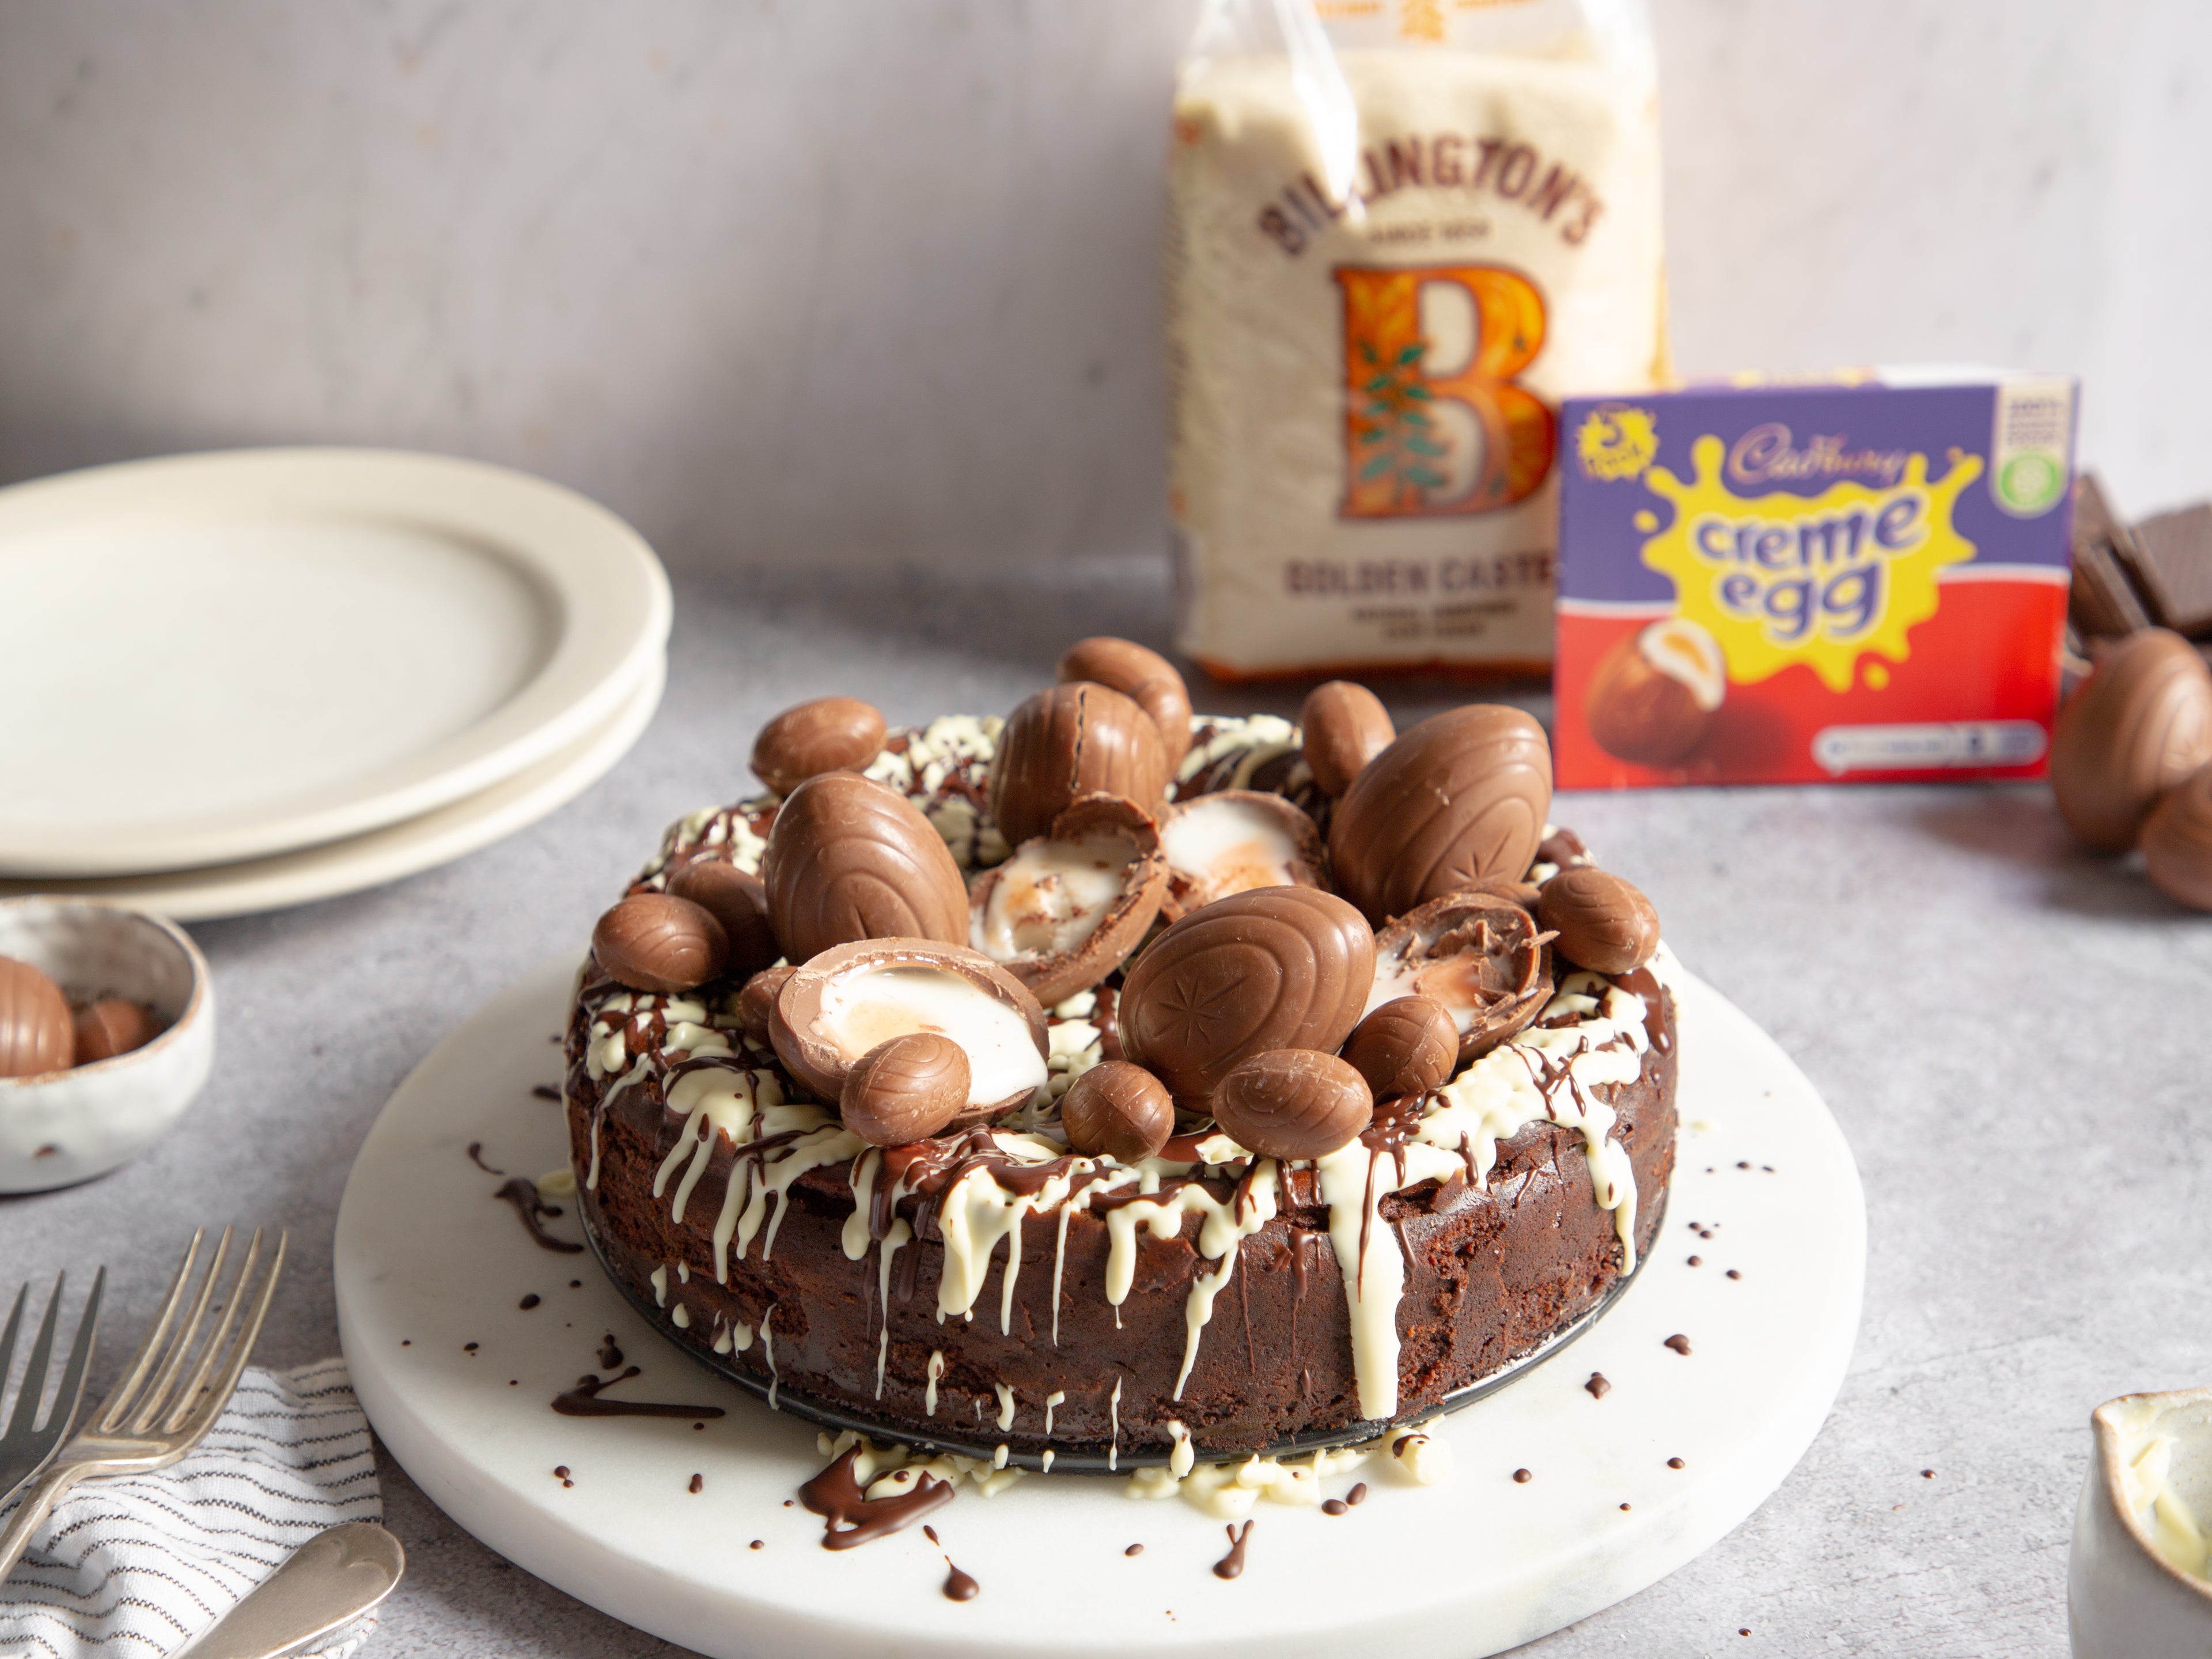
[2012, 1033]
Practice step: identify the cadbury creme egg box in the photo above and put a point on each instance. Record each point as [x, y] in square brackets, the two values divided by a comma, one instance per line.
[1857, 580]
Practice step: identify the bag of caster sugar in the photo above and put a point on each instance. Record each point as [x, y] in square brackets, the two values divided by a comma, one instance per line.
[1400, 232]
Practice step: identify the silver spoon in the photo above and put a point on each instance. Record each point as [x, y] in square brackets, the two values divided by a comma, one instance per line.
[328, 1582]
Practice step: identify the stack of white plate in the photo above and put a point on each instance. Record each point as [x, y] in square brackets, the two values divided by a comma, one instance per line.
[238, 681]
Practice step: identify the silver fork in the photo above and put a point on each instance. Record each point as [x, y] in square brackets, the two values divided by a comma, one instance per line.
[156, 1411]
[27, 1444]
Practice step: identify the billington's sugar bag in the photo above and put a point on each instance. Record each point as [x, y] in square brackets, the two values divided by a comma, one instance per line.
[1400, 231]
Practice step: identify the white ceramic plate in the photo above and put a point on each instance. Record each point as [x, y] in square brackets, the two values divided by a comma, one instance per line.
[459, 1332]
[385, 854]
[243, 653]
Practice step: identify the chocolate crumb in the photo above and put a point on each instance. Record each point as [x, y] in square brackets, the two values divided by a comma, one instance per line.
[698, 1483]
[1598, 1387]
[1522, 1477]
[1675, 1463]
[529, 1302]
[544, 1091]
[1134, 1549]
[1678, 1343]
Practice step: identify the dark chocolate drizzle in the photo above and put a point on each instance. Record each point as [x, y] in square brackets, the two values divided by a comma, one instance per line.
[850, 1518]
[476, 1157]
[1231, 1565]
[584, 1400]
[522, 1193]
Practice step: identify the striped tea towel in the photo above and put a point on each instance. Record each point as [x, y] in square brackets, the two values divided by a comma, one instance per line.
[135, 1566]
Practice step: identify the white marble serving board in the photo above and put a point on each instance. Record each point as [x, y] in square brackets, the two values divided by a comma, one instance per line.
[457, 1377]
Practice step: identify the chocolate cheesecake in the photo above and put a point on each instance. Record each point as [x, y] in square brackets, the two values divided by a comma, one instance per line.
[1322, 1127]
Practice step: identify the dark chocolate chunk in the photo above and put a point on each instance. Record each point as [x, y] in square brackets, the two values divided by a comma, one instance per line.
[2103, 600]
[2172, 565]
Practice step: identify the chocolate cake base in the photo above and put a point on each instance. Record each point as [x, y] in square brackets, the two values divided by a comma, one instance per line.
[1493, 1272]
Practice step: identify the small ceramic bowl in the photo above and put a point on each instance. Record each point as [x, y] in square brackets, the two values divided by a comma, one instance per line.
[60, 1127]
[2136, 1587]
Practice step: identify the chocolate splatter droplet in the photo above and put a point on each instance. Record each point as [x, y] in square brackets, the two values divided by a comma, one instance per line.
[1134, 1549]
[529, 1301]
[1336, 1506]
[1522, 1477]
[1675, 1463]
[611, 1356]
[959, 1586]
[1680, 1344]
[544, 1091]
[583, 1401]
[698, 1483]
[1231, 1565]
[1357, 1495]
[1598, 1387]
[522, 1193]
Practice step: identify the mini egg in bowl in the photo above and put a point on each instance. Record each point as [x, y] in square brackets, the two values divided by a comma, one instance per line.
[62, 1126]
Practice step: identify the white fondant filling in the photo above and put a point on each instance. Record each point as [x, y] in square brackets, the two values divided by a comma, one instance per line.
[1051, 896]
[871, 1006]
[1224, 847]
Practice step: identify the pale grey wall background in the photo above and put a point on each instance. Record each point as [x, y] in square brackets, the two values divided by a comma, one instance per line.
[827, 281]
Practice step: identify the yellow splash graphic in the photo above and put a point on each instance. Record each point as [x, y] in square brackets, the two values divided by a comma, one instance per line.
[1823, 580]
[1616, 442]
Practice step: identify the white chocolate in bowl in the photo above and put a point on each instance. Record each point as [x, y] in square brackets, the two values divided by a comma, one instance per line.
[870, 1006]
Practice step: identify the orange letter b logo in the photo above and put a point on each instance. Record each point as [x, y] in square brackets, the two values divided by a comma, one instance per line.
[1428, 442]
